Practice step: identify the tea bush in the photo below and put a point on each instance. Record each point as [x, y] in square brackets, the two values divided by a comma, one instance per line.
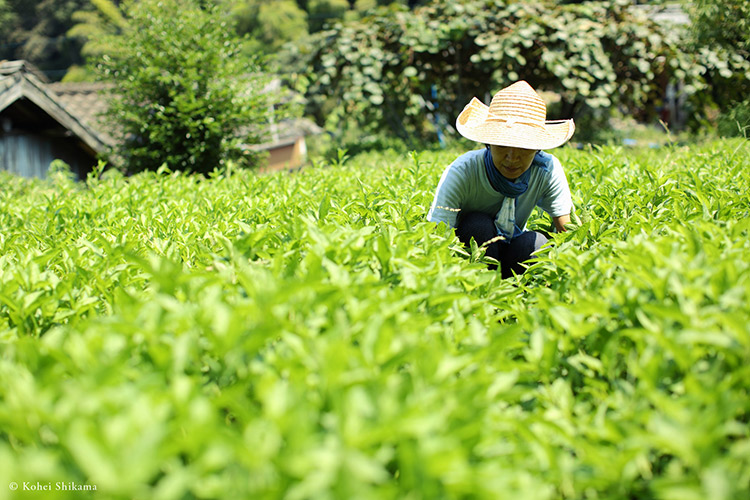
[310, 335]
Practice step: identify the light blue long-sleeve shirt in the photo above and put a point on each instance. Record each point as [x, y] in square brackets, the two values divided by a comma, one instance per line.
[464, 187]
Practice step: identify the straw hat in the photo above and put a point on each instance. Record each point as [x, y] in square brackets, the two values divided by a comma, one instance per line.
[516, 118]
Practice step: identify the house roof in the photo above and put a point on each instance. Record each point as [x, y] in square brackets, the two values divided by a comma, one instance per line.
[79, 106]
[287, 132]
[10, 67]
[87, 101]
[21, 82]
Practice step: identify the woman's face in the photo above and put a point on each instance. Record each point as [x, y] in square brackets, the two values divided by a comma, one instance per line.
[512, 162]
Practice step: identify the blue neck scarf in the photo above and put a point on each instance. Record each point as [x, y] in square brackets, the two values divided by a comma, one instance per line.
[505, 220]
[503, 185]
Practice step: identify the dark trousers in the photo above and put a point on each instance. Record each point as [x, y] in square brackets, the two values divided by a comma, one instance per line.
[481, 227]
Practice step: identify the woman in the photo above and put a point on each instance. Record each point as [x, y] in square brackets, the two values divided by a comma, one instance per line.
[489, 194]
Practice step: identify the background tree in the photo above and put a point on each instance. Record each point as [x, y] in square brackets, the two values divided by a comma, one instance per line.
[268, 24]
[93, 26]
[371, 66]
[394, 68]
[59, 35]
[7, 21]
[720, 39]
[322, 12]
[183, 95]
[722, 22]
[37, 32]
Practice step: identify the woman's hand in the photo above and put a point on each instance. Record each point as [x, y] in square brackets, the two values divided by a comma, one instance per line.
[560, 222]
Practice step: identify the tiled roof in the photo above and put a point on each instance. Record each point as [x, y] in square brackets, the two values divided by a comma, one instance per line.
[87, 102]
[287, 132]
[12, 67]
[21, 81]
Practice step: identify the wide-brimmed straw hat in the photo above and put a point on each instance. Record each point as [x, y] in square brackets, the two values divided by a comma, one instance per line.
[516, 117]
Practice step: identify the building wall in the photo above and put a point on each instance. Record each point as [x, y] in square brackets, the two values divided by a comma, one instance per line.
[29, 155]
[286, 157]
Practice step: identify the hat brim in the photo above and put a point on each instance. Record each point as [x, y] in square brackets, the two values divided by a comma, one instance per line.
[473, 124]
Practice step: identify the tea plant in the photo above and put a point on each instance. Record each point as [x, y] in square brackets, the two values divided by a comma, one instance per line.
[310, 335]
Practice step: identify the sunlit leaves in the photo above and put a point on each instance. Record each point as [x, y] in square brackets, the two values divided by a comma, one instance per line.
[311, 335]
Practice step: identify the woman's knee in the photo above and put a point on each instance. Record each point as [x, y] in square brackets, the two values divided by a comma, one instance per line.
[482, 228]
[477, 225]
[523, 246]
[539, 240]
[520, 250]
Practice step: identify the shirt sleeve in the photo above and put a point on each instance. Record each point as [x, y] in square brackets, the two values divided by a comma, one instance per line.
[556, 199]
[448, 198]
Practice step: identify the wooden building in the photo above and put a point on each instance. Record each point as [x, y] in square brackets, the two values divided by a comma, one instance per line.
[36, 128]
[42, 121]
[286, 147]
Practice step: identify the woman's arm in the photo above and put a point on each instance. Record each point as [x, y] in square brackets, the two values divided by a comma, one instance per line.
[560, 222]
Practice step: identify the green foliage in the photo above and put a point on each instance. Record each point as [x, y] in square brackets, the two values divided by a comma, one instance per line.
[183, 97]
[35, 30]
[735, 122]
[59, 35]
[269, 24]
[96, 25]
[322, 12]
[720, 33]
[312, 336]
[379, 72]
[721, 22]
[7, 20]
[410, 71]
